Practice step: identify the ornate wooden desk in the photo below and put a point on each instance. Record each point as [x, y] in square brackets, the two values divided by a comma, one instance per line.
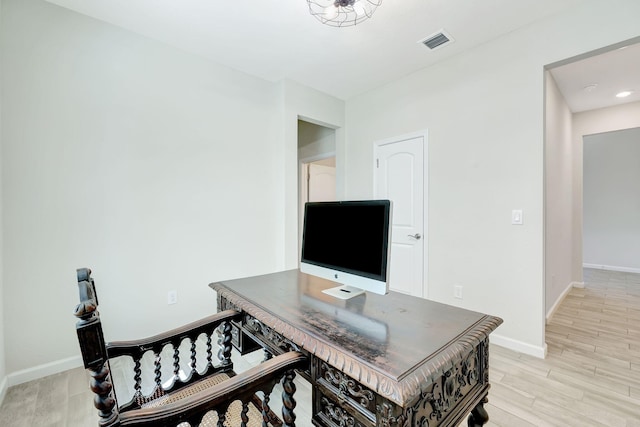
[375, 360]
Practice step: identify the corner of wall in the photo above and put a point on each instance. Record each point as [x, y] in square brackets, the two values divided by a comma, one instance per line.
[551, 311]
[3, 376]
[44, 370]
[3, 389]
[559, 189]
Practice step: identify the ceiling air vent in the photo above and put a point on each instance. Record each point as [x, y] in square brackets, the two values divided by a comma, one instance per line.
[437, 40]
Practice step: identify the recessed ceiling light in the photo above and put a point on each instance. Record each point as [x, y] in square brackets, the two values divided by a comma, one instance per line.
[590, 88]
[624, 93]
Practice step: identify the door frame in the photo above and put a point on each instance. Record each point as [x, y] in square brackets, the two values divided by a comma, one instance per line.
[424, 134]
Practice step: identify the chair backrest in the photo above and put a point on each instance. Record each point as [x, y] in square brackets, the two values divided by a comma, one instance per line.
[221, 384]
[96, 353]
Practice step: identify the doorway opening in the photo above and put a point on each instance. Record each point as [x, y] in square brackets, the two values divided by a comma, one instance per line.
[580, 100]
[317, 167]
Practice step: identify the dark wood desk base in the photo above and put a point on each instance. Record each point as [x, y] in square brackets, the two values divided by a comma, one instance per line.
[459, 389]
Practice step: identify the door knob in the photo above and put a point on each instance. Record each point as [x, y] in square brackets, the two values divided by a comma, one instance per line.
[416, 236]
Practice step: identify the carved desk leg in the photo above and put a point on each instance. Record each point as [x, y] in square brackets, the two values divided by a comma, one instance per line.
[479, 415]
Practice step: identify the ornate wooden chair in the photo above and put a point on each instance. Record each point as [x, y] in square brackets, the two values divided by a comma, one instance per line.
[213, 395]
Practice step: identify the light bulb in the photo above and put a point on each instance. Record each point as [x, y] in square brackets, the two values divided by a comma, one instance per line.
[359, 8]
[330, 12]
[624, 94]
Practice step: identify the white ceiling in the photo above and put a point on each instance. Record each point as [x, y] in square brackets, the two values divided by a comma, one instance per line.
[277, 39]
[593, 82]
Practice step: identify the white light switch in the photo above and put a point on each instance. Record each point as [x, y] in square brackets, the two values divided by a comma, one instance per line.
[516, 216]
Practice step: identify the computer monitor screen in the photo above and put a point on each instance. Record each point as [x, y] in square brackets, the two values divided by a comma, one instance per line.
[348, 242]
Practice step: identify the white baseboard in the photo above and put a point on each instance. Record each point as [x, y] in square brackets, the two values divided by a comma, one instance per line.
[41, 371]
[612, 268]
[3, 389]
[519, 346]
[562, 296]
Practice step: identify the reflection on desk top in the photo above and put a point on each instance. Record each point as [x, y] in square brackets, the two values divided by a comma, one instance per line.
[395, 335]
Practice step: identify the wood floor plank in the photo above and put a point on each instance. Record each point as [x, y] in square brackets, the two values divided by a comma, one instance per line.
[627, 407]
[526, 414]
[598, 356]
[594, 383]
[502, 418]
[617, 357]
[633, 423]
[543, 386]
[622, 376]
[563, 416]
[504, 391]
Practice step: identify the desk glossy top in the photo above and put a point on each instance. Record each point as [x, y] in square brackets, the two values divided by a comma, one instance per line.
[391, 337]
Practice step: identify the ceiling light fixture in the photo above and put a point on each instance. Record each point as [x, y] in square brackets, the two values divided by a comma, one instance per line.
[342, 13]
[624, 93]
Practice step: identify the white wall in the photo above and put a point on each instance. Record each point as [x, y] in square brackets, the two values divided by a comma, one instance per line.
[558, 195]
[158, 169]
[484, 111]
[301, 102]
[610, 119]
[612, 200]
[132, 158]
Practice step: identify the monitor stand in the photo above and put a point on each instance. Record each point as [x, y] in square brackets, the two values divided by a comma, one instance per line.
[344, 292]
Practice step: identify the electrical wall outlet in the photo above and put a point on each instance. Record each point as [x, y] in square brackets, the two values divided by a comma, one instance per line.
[172, 297]
[457, 291]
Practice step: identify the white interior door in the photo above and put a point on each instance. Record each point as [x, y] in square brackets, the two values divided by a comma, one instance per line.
[399, 175]
[317, 184]
[322, 183]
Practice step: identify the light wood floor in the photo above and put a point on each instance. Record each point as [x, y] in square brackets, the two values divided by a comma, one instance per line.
[591, 376]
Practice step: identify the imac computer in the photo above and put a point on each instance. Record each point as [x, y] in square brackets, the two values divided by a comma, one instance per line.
[348, 242]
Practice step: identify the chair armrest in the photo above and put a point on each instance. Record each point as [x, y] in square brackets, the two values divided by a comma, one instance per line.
[240, 387]
[173, 336]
